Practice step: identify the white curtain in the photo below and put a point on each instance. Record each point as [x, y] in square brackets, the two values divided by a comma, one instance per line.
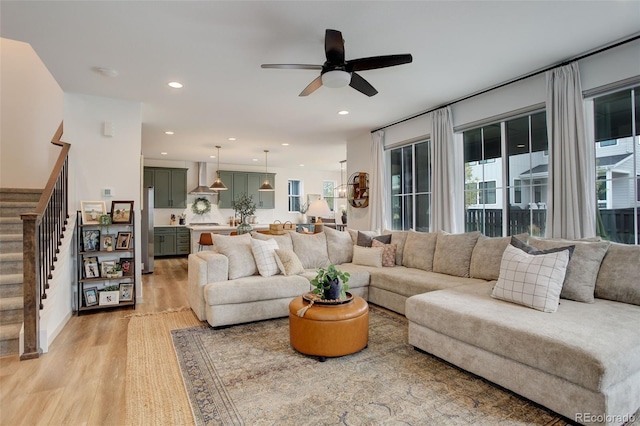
[447, 199]
[571, 205]
[377, 188]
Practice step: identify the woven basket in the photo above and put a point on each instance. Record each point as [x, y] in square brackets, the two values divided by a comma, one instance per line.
[276, 228]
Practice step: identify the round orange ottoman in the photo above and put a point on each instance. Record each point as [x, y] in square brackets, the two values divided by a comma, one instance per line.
[329, 330]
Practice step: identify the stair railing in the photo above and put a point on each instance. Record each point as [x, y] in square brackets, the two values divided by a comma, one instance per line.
[42, 233]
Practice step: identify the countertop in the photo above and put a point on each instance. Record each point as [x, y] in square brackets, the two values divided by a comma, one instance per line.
[169, 226]
[196, 227]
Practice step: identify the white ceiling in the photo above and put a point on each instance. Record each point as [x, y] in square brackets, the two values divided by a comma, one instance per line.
[215, 49]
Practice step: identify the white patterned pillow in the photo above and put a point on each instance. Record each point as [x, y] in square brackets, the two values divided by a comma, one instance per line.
[531, 280]
[288, 262]
[237, 248]
[264, 252]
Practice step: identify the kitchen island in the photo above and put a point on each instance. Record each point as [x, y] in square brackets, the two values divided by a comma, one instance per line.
[197, 229]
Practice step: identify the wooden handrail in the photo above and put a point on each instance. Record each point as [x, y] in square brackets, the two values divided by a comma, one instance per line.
[42, 233]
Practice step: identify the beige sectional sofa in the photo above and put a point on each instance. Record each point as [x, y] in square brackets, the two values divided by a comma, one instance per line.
[582, 361]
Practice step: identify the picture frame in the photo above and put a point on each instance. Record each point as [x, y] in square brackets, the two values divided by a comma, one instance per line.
[123, 242]
[107, 241]
[90, 296]
[109, 298]
[107, 267]
[127, 266]
[122, 212]
[91, 211]
[91, 240]
[126, 292]
[91, 267]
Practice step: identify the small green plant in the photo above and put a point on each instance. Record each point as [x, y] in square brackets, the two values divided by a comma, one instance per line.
[111, 288]
[104, 221]
[244, 206]
[324, 278]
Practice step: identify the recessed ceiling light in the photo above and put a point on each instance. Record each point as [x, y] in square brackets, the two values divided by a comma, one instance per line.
[343, 112]
[231, 139]
[168, 132]
[163, 153]
[254, 159]
[285, 144]
[175, 85]
[301, 165]
[212, 156]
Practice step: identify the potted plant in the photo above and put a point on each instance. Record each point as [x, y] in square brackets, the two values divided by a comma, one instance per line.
[104, 221]
[245, 207]
[116, 272]
[331, 283]
[343, 210]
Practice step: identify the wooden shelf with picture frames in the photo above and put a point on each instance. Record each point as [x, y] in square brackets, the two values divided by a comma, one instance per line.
[106, 264]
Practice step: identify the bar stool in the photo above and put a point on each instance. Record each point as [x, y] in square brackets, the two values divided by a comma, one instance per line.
[205, 240]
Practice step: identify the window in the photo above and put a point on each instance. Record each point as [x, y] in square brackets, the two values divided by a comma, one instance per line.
[294, 188]
[506, 194]
[411, 186]
[616, 129]
[328, 191]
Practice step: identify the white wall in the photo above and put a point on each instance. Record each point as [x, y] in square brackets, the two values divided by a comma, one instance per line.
[31, 109]
[312, 184]
[605, 68]
[97, 161]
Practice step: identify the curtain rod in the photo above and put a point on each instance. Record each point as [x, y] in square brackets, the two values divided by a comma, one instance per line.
[506, 83]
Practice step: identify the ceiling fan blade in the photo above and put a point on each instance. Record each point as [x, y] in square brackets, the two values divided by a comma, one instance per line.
[312, 87]
[375, 62]
[334, 47]
[293, 66]
[362, 85]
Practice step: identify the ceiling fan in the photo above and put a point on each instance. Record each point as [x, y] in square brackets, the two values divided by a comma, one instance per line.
[336, 72]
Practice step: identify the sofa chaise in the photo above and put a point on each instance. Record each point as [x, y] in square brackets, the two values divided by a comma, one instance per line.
[582, 361]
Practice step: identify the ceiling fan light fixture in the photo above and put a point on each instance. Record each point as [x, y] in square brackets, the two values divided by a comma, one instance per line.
[336, 79]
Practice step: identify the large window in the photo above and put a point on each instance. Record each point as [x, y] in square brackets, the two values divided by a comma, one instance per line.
[328, 192]
[506, 174]
[294, 188]
[616, 123]
[411, 187]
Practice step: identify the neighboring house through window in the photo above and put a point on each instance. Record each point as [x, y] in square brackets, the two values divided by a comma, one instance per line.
[294, 188]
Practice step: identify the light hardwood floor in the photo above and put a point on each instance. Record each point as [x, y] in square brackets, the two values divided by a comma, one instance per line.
[81, 380]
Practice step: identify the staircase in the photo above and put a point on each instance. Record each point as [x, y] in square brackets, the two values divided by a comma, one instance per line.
[13, 202]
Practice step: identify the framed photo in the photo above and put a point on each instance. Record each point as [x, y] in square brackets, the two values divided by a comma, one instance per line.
[124, 241]
[121, 211]
[107, 242]
[90, 296]
[109, 298]
[127, 266]
[107, 267]
[91, 267]
[91, 240]
[126, 292]
[91, 211]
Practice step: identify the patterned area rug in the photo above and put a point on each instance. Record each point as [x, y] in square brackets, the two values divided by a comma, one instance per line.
[249, 374]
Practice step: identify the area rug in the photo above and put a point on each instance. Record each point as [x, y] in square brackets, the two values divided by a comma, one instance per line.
[249, 374]
[153, 390]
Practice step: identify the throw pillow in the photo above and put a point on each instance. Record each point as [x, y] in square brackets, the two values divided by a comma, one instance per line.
[311, 249]
[237, 248]
[264, 253]
[531, 280]
[339, 246]
[284, 241]
[419, 249]
[399, 238]
[364, 239]
[453, 253]
[388, 253]
[288, 262]
[354, 234]
[518, 243]
[368, 256]
[486, 255]
[618, 275]
[582, 272]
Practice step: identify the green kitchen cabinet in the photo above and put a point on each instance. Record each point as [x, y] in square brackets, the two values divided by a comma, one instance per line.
[246, 182]
[171, 241]
[170, 186]
[225, 198]
[263, 199]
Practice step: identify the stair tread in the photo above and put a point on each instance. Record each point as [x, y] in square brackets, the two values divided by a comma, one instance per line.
[10, 219]
[10, 331]
[11, 303]
[8, 279]
[10, 257]
[10, 237]
[11, 203]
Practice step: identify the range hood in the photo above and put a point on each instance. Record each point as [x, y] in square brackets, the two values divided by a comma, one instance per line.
[202, 188]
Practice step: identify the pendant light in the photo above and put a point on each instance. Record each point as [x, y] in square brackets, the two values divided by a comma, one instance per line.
[217, 185]
[341, 191]
[266, 186]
